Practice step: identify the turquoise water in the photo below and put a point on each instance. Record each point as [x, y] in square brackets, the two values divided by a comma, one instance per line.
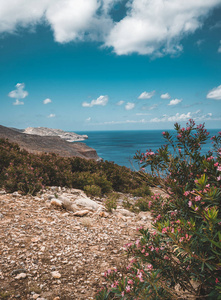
[120, 146]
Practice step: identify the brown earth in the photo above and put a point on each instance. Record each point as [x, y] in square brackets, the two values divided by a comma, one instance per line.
[41, 144]
[38, 238]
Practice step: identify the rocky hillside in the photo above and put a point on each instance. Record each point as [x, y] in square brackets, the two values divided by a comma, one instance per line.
[58, 244]
[43, 131]
[41, 144]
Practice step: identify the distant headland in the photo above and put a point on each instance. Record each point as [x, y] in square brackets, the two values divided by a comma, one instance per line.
[46, 140]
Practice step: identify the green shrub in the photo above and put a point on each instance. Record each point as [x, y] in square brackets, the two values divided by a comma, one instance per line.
[142, 191]
[93, 190]
[181, 258]
[143, 204]
[111, 202]
[23, 178]
[53, 170]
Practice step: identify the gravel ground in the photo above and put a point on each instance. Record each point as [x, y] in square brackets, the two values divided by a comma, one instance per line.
[47, 252]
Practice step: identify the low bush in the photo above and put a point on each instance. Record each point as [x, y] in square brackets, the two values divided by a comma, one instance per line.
[181, 259]
[110, 202]
[53, 170]
[92, 190]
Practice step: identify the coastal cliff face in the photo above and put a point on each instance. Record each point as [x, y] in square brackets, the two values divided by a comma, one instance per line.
[43, 131]
[50, 144]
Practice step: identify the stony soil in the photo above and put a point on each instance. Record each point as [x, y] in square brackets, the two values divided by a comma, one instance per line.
[47, 252]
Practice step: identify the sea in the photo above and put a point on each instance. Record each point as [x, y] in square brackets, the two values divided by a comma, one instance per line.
[121, 146]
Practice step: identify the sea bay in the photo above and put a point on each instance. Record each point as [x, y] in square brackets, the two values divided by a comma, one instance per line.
[121, 146]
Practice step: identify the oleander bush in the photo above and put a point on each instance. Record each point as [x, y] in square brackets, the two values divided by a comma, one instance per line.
[27, 172]
[181, 257]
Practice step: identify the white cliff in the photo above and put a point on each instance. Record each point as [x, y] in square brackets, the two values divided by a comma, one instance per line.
[43, 131]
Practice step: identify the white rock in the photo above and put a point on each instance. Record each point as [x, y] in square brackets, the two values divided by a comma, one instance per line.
[81, 213]
[145, 215]
[56, 274]
[68, 204]
[86, 202]
[56, 202]
[21, 276]
[125, 212]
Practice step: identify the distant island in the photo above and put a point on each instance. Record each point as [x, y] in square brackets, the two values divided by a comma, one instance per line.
[46, 140]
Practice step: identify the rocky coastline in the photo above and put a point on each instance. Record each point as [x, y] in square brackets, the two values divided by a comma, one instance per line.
[44, 131]
[44, 140]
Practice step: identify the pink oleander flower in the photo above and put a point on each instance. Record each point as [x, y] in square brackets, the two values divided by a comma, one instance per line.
[130, 281]
[196, 209]
[163, 133]
[186, 193]
[149, 267]
[183, 129]
[190, 204]
[147, 254]
[217, 280]
[122, 294]
[115, 284]
[164, 230]
[219, 168]
[197, 198]
[179, 136]
[127, 288]
[166, 257]
[216, 164]
[218, 178]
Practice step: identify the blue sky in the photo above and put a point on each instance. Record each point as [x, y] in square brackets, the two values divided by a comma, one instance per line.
[83, 65]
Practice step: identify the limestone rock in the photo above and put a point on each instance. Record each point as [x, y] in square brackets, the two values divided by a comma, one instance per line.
[56, 274]
[81, 213]
[21, 276]
[68, 204]
[56, 202]
[125, 212]
[87, 202]
[145, 215]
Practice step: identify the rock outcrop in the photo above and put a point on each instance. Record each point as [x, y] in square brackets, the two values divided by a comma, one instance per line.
[43, 131]
[45, 144]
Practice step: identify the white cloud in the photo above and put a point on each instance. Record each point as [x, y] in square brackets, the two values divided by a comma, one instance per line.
[219, 49]
[123, 122]
[153, 106]
[165, 96]
[215, 93]
[175, 101]
[51, 116]
[46, 101]
[158, 26]
[17, 102]
[88, 119]
[142, 114]
[19, 92]
[120, 102]
[197, 116]
[102, 100]
[146, 95]
[129, 106]
[149, 27]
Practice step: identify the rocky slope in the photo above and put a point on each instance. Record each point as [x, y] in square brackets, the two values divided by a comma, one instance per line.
[43, 131]
[40, 144]
[58, 244]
